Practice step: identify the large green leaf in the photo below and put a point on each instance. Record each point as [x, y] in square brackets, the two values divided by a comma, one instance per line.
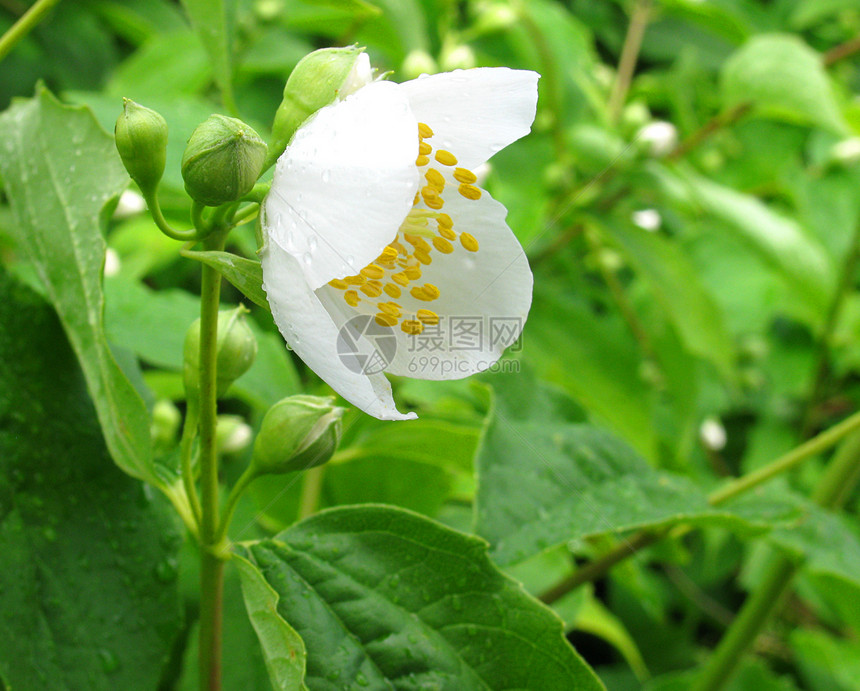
[88, 597]
[677, 286]
[283, 648]
[545, 481]
[386, 599]
[213, 20]
[784, 79]
[60, 170]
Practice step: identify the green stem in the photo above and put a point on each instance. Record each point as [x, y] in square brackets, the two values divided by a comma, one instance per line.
[211, 561]
[745, 627]
[28, 21]
[186, 445]
[311, 488]
[247, 214]
[244, 480]
[644, 538]
[151, 198]
[629, 56]
[842, 471]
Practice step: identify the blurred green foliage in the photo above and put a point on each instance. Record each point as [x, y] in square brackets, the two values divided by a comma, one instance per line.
[691, 216]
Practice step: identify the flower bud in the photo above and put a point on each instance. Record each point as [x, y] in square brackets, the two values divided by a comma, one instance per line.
[297, 433]
[141, 139]
[235, 345]
[222, 161]
[165, 423]
[232, 433]
[318, 79]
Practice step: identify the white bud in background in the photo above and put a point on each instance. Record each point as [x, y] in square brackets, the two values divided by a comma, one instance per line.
[130, 204]
[846, 152]
[661, 137]
[713, 434]
[112, 262]
[647, 219]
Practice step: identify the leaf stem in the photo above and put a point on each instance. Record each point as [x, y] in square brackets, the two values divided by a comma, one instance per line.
[25, 24]
[647, 537]
[192, 235]
[716, 123]
[629, 57]
[186, 443]
[244, 480]
[211, 562]
[842, 471]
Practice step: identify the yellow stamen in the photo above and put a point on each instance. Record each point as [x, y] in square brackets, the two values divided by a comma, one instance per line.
[400, 278]
[391, 308]
[424, 131]
[371, 290]
[469, 192]
[435, 179]
[355, 280]
[338, 283]
[424, 148]
[446, 158]
[444, 220]
[389, 254]
[426, 293]
[431, 290]
[422, 160]
[412, 273]
[412, 326]
[469, 242]
[392, 290]
[423, 256]
[373, 271]
[463, 175]
[351, 298]
[385, 319]
[447, 233]
[443, 245]
[427, 317]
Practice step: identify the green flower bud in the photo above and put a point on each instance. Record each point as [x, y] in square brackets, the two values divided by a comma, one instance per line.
[165, 423]
[222, 161]
[235, 345]
[232, 433]
[141, 139]
[318, 79]
[297, 433]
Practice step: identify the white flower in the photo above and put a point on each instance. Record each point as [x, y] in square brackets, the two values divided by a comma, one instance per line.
[374, 211]
[713, 434]
[647, 219]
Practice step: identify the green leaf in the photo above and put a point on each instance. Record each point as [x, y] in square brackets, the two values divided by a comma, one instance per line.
[60, 170]
[828, 542]
[283, 648]
[826, 663]
[213, 21]
[677, 286]
[89, 597]
[543, 482]
[778, 240]
[768, 71]
[384, 598]
[245, 274]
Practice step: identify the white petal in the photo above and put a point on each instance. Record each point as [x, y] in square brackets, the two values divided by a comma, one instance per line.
[311, 333]
[484, 302]
[474, 113]
[345, 183]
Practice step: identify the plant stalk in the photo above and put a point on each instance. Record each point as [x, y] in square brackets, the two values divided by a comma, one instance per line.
[629, 57]
[211, 564]
[841, 473]
[25, 24]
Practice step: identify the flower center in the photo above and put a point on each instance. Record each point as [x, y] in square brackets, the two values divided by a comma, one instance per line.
[396, 272]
